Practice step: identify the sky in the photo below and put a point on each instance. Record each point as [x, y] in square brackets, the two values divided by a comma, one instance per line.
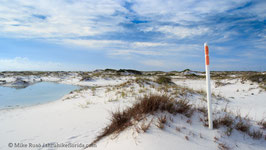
[148, 35]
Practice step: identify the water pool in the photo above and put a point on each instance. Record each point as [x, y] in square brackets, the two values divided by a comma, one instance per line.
[35, 94]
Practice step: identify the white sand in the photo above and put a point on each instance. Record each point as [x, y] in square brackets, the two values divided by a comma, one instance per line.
[79, 118]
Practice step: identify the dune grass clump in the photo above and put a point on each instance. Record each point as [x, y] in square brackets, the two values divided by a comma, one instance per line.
[262, 123]
[255, 77]
[163, 80]
[161, 121]
[86, 77]
[259, 78]
[225, 120]
[120, 120]
[242, 126]
[255, 134]
[223, 146]
[193, 76]
[144, 127]
[128, 71]
[220, 83]
[235, 122]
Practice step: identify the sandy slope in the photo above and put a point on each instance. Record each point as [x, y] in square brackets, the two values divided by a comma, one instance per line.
[247, 98]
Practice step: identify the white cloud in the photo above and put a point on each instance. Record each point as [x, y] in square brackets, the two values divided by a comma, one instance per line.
[128, 52]
[92, 43]
[180, 11]
[170, 65]
[165, 49]
[183, 32]
[125, 47]
[147, 44]
[258, 9]
[64, 18]
[60, 18]
[153, 63]
[24, 64]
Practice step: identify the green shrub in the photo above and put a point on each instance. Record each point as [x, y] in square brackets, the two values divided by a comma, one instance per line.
[259, 78]
[163, 80]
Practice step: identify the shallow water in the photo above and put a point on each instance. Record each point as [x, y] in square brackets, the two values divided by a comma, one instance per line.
[35, 94]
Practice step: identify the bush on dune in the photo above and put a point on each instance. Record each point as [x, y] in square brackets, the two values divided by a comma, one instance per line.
[258, 77]
[120, 120]
[163, 80]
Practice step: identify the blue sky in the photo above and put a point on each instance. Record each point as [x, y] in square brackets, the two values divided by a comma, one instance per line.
[135, 34]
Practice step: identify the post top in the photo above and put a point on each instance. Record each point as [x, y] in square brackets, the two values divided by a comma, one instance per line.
[205, 44]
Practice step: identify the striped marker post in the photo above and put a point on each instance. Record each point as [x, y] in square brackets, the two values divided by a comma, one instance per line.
[208, 84]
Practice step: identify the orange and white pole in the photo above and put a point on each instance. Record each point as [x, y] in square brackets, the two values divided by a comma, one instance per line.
[208, 85]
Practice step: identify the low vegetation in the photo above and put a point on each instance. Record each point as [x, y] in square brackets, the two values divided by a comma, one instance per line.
[120, 120]
[129, 71]
[193, 76]
[85, 77]
[255, 77]
[219, 75]
[262, 123]
[163, 80]
[225, 120]
[242, 125]
[235, 122]
[220, 83]
[255, 134]
[161, 121]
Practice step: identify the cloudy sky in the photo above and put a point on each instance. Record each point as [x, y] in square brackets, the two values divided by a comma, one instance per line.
[135, 34]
